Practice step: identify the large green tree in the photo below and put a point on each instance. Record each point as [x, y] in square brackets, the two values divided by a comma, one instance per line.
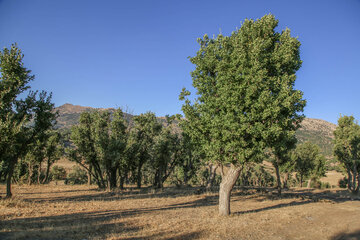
[22, 121]
[347, 149]
[243, 84]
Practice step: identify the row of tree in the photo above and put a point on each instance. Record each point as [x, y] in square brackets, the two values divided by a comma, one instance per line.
[25, 124]
[246, 110]
[113, 149]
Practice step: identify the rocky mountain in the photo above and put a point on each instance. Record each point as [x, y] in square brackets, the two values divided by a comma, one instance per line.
[317, 131]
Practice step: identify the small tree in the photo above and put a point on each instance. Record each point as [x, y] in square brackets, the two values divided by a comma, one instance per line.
[347, 149]
[100, 145]
[243, 84]
[16, 131]
[308, 161]
[146, 128]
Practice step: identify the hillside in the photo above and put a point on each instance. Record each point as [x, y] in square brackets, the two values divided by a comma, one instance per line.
[315, 130]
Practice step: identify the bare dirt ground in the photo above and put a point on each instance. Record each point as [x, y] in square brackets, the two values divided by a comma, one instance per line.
[83, 212]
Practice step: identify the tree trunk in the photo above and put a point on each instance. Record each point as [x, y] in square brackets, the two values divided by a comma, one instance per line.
[89, 175]
[39, 173]
[30, 167]
[139, 176]
[309, 183]
[8, 179]
[349, 179]
[122, 178]
[212, 175]
[301, 180]
[227, 183]
[112, 178]
[358, 183]
[286, 177]
[278, 180]
[47, 172]
[354, 177]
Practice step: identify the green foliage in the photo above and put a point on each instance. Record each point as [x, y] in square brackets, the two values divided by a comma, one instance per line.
[308, 161]
[76, 176]
[245, 85]
[347, 149]
[100, 145]
[22, 121]
[58, 173]
[255, 175]
[343, 182]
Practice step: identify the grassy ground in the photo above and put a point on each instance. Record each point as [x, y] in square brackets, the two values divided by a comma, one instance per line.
[83, 212]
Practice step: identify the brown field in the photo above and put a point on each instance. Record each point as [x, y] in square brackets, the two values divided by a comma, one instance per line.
[83, 212]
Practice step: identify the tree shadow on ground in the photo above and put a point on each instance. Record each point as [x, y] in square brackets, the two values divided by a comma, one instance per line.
[131, 193]
[86, 224]
[347, 236]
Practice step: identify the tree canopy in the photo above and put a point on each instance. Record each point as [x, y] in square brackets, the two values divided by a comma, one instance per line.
[245, 95]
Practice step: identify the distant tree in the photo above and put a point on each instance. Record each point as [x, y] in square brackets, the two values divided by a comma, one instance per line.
[243, 82]
[100, 145]
[146, 128]
[22, 121]
[347, 149]
[309, 161]
[166, 153]
[54, 150]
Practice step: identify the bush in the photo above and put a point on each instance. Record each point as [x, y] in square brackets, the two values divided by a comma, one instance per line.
[343, 182]
[76, 176]
[58, 173]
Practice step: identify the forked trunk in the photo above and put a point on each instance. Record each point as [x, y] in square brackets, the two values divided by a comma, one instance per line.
[227, 183]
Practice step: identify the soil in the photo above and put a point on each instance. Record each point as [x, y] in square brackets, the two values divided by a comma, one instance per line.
[84, 212]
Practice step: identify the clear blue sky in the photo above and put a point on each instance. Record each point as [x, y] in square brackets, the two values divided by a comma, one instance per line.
[135, 53]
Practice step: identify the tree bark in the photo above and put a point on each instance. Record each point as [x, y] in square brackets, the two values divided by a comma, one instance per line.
[139, 176]
[30, 167]
[349, 179]
[309, 183]
[8, 179]
[286, 177]
[278, 180]
[47, 172]
[39, 173]
[111, 177]
[89, 175]
[354, 177]
[227, 183]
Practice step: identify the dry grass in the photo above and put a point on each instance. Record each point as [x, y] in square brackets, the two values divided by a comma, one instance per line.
[82, 212]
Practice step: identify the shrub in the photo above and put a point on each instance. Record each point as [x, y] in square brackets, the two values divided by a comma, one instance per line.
[343, 182]
[58, 173]
[76, 176]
